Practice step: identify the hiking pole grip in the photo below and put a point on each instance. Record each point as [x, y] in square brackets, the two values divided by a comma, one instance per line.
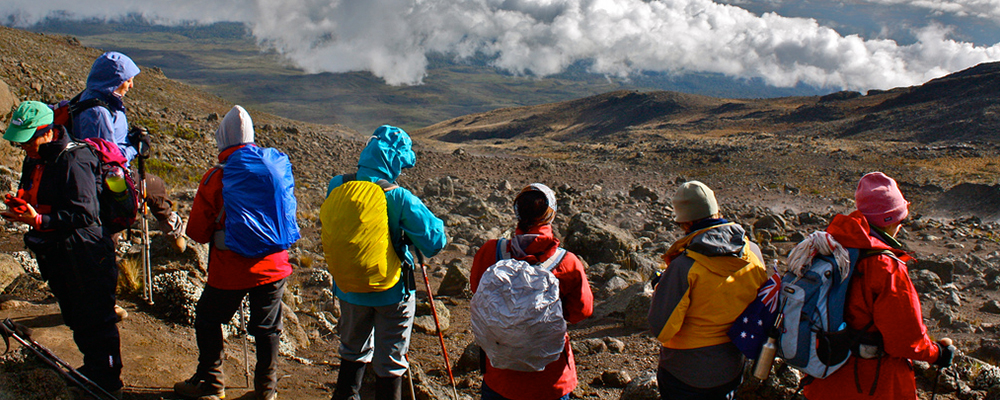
[21, 334]
[430, 297]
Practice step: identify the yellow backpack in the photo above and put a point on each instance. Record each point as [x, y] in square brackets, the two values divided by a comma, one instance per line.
[355, 233]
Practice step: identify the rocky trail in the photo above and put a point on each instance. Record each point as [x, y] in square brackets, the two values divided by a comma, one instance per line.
[772, 174]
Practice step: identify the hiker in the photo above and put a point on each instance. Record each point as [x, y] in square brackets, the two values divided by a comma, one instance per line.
[881, 296]
[111, 77]
[534, 242]
[712, 274]
[57, 197]
[232, 276]
[377, 314]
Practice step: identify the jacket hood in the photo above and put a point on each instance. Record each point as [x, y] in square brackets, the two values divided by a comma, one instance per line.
[109, 71]
[388, 151]
[726, 239]
[853, 231]
[236, 128]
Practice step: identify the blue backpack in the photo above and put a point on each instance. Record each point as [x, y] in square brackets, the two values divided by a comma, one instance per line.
[258, 192]
[815, 338]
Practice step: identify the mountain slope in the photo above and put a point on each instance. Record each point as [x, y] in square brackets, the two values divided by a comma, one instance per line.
[959, 107]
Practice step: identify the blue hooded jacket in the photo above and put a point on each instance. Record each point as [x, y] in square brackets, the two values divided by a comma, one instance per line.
[389, 151]
[109, 71]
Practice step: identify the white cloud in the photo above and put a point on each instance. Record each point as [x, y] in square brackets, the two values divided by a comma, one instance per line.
[988, 9]
[391, 37]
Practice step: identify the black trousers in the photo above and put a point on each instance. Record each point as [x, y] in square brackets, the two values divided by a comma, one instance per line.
[81, 271]
[216, 307]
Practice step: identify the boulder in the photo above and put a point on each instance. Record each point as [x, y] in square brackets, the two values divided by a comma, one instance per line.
[774, 223]
[589, 346]
[27, 288]
[616, 378]
[944, 268]
[469, 361]
[615, 346]
[10, 269]
[595, 241]
[425, 324]
[618, 304]
[7, 102]
[456, 279]
[176, 296]
[642, 387]
[641, 192]
[991, 306]
[637, 310]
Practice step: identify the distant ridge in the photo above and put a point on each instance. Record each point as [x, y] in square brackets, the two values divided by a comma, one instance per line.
[959, 107]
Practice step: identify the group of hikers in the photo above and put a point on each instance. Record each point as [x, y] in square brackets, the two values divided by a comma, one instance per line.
[372, 232]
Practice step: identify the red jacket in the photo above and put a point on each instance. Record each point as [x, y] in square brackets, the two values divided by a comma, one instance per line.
[559, 377]
[226, 269]
[880, 290]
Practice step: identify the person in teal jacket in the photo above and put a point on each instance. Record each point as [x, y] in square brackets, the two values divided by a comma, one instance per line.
[375, 327]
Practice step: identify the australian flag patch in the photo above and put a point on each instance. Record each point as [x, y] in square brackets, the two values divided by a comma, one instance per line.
[749, 331]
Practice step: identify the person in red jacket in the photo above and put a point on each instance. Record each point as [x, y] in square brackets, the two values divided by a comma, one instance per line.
[534, 243]
[881, 293]
[230, 278]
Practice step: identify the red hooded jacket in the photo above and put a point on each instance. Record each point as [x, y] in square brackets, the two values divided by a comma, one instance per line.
[880, 290]
[559, 377]
[226, 269]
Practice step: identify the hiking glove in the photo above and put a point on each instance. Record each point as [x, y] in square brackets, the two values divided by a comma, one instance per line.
[945, 355]
[138, 137]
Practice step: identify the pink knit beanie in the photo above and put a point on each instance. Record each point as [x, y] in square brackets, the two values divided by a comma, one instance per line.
[879, 200]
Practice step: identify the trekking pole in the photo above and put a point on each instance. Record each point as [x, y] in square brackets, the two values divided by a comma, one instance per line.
[246, 342]
[430, 297]
[939, 370]
[147, 266]
[409, 375]
[9, 329]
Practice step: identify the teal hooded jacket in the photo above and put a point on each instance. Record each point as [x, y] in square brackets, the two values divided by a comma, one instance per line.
[387, 153]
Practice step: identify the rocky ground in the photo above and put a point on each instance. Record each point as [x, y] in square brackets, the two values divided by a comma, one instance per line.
[614, 213]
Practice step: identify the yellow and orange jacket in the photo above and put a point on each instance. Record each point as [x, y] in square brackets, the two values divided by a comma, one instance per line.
[713, 274]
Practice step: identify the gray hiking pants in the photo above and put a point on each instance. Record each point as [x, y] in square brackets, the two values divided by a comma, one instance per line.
[378, 335]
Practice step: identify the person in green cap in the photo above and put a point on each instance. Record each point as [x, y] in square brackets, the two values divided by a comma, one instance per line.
[57, 198]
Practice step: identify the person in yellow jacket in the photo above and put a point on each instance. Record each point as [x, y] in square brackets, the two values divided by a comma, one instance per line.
[713, 273]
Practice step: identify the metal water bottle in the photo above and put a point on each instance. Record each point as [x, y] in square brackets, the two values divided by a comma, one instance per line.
[767, 353]
[766, 358]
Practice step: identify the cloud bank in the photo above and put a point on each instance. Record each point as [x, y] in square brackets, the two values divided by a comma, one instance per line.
[988, 9]
[391, 38]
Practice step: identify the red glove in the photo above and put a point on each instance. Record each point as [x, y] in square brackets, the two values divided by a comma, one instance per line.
[15, 204]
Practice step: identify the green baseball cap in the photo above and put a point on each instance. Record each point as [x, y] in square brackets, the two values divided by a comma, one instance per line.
[29, 116]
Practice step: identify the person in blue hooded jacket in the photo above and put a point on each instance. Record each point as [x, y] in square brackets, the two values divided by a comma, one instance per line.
[375, 327]
[111, 76]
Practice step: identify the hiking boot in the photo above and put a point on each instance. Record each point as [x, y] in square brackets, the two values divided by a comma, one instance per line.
[265, 395]
[349, 380]
[390, 388]
[120, 313]
[179, 244]
[199, 389]
[173, 227]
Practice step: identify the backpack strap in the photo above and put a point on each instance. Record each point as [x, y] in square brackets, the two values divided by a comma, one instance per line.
[554, 261]
[76, 106]
[550, 264]
[502, 252]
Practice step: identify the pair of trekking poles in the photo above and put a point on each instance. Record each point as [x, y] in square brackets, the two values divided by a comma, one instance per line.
[21, 334]
[139, 137]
